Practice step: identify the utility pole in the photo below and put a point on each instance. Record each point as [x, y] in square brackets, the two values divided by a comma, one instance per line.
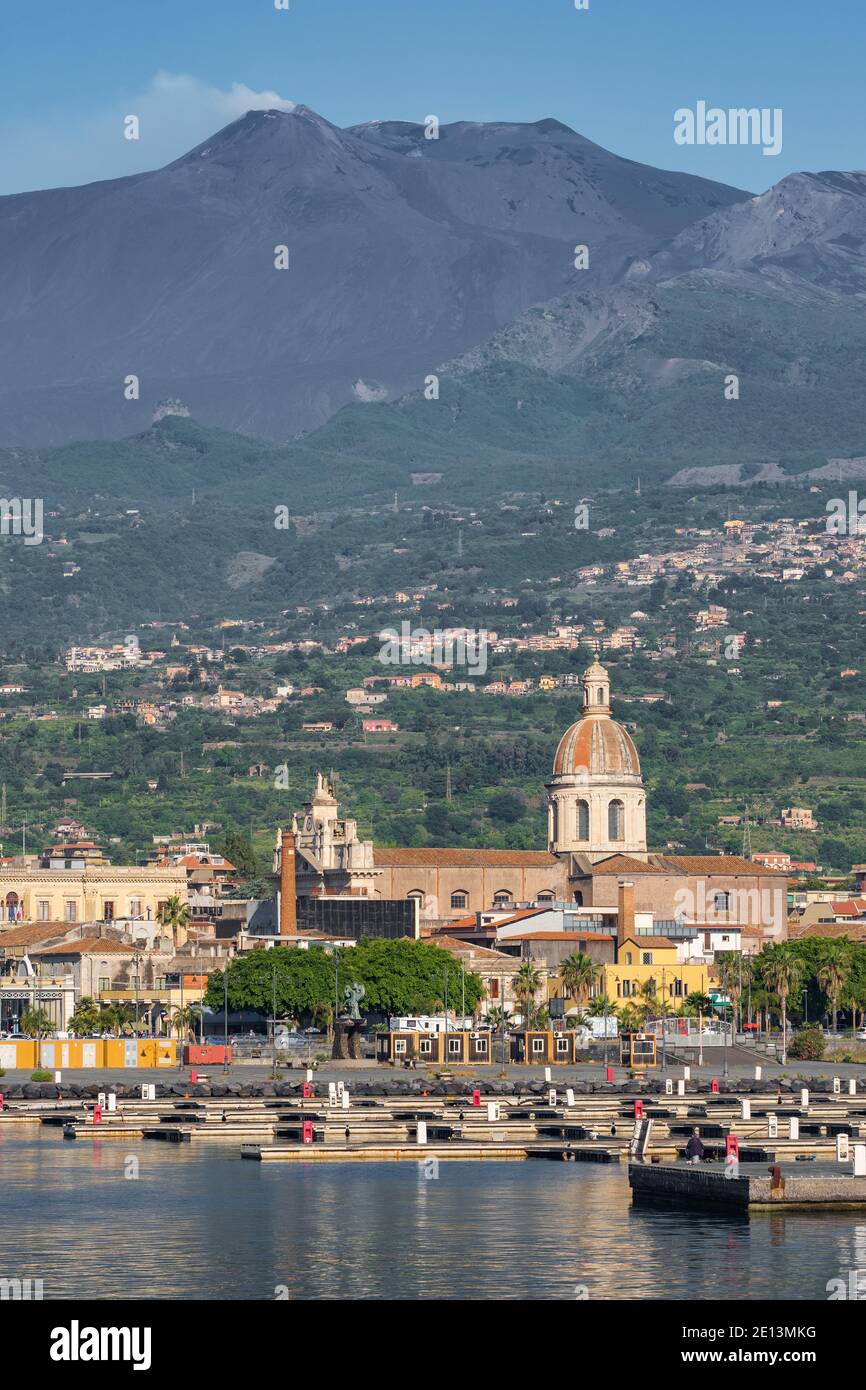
[449, 793]
[274, 1022]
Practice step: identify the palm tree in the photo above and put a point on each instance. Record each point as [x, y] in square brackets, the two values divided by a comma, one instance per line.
[182, 1020]
[630, 1019]
[648, 993]
[174, 913]
[578, 973]
[782, 973]
[733, 973]
[832, 974]
[117, 1017]
[498, 1017]
[599, 1005]
[35, 1022]
[527, 983]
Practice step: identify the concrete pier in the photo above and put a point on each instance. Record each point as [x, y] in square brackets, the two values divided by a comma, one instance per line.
[706, 1185]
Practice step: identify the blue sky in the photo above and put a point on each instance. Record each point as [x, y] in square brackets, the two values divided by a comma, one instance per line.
[71, 69]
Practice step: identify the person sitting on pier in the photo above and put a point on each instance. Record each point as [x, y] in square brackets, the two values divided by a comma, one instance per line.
[694, 1148]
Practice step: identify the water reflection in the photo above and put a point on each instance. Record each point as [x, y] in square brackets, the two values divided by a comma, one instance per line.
[200, 1223]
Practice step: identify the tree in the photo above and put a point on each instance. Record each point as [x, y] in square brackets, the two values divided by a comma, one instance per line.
[782, 972]
[86, 1018]
[174, 913]
[182, 1021]
[697, 1004]
[399, 977]
[35, 1022]
[599, 1005]
[405, 976]
[527, 983]
[238, 850]
[118, 1017]
[832, 974]
[732, 969]
[506, 808]
[578, 973]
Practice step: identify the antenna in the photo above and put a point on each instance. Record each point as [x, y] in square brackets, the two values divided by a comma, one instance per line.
[449, 792]
[396, 507]
[747, 834]
[460, 543]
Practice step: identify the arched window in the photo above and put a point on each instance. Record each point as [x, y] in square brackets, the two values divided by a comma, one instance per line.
[583, 820]
[501, 897]
[615, 820]
[416, 893]
[546, 895]
[460, 898]
[11, 906]
[599, 697]
[554, 820]
[578, 898]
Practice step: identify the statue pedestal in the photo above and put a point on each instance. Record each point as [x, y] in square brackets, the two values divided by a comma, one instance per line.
[348, 1033]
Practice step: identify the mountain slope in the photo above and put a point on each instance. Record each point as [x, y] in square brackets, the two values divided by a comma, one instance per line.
[404, 252]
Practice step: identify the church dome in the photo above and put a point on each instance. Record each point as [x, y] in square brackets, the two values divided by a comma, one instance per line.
[600, 747]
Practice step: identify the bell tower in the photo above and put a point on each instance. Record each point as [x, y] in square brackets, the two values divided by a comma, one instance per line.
[596, 797]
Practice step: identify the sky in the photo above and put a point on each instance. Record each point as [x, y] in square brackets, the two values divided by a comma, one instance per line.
[617, 72]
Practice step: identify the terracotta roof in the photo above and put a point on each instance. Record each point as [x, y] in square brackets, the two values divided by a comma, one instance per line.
[850, 907]
[31, 935]
[89, 946]
[623, 864]
[514, 917]
[467, 858]
[596, 745]
[469, 948]
[461, 924]
[851, 931]
[719, 864]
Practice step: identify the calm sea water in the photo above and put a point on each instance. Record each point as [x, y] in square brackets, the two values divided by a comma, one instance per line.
[200, 1223]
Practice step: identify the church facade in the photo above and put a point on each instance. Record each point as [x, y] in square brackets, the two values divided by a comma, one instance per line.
[596, 847]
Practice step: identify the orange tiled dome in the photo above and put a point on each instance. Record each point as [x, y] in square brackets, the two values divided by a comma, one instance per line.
[600, 747]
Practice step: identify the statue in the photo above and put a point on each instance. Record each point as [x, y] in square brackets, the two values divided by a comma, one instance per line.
[353, 994]
[349, 1025]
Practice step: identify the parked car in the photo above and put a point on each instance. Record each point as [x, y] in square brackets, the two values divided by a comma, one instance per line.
[861, 1035]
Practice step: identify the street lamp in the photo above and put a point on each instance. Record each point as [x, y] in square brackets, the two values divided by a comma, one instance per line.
[226, 1016]
[136, 961]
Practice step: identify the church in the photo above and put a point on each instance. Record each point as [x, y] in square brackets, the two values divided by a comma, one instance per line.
[596, 851]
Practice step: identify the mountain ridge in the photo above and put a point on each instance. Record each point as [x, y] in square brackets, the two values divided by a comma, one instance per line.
[399, 258]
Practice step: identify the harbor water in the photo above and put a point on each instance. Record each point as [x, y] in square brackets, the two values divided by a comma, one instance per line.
[136, 1220]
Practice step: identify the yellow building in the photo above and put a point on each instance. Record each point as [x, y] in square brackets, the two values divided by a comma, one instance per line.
[86, 893]
[641, 959]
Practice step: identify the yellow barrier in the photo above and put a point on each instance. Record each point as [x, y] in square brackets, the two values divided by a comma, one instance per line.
[84, 1054]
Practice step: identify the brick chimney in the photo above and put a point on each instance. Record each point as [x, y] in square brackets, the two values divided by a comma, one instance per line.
[288, 886]
[624, 912]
